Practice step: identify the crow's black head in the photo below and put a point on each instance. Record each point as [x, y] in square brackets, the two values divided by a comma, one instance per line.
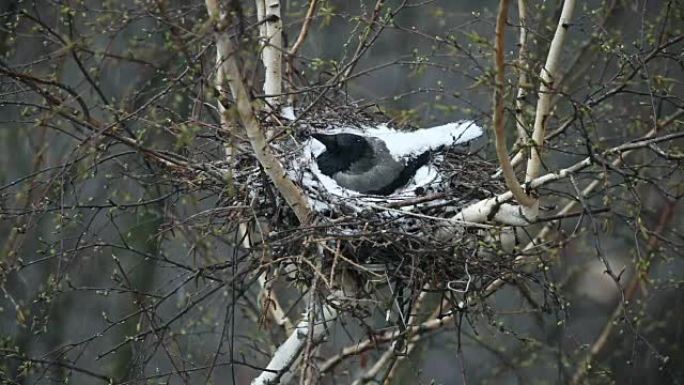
[338, 143]
[341, 151]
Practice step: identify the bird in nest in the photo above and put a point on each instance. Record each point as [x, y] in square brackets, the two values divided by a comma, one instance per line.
[365, 164]
[381, 161]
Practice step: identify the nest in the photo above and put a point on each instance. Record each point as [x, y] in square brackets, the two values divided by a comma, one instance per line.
[405, 238]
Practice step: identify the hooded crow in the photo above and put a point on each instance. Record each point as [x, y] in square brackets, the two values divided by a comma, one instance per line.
[364, 163]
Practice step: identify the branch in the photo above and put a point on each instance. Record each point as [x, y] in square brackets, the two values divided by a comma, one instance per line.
[498, 209]
[547, 75]
[287, 354]
[522, 77]
[499, 122]
[304, 31]
[623, 151]
[231, 73]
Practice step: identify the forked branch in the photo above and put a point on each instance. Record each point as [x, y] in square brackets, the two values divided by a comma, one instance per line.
[499, 122]
[495, 208]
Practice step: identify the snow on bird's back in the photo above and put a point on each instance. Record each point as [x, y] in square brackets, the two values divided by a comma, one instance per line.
[402, 143]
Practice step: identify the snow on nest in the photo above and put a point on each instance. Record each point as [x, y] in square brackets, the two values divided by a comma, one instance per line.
[288, 113]
[401, 144]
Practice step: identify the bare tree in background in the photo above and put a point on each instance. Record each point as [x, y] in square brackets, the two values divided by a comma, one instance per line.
[153, 229]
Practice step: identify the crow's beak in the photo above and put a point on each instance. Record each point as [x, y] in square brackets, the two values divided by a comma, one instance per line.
[328, 140]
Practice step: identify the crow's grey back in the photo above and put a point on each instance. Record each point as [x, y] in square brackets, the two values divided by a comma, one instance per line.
[371, 173]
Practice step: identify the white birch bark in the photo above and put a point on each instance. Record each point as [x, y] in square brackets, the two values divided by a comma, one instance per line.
[548, 75]
[495, 209]
[282, 365]
[232, 75]
[522, 78]
[271, 36]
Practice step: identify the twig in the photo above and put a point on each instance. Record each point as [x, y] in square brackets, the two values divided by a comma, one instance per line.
[632, 288]
[304, 31]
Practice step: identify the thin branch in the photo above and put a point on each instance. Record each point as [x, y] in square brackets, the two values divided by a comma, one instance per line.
[304, 31]
[292, 53]
[628, 294]
[364, 43]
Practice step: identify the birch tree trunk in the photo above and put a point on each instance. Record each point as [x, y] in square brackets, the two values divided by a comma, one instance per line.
[271, 31]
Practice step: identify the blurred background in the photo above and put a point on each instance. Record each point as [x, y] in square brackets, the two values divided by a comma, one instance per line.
[116, 269]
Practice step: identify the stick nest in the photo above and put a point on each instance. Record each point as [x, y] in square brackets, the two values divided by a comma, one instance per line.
[408, 238]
